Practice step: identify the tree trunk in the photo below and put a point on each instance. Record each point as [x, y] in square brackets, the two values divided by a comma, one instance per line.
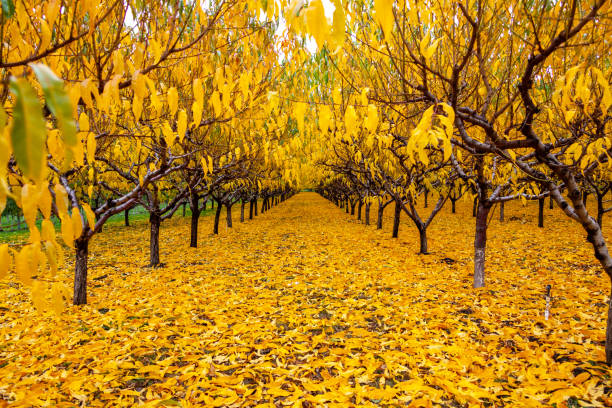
[251, 210]
[453, 206]
[346, 207]
[501, 212]
[426, 193]
[212, 204]
[600, 210]
[80, 272]
[423, 240]
[263, 205]
[585, 196]
[217, 217]
[551, 202]
[184, 209]
[353, 208]
[480, 244]
[255, 206]
[360, 205]
[367, 214]
[126, 217]
[242, 204]
[541, 212]
[475, 207]
[228, 208]
[379, 221]
[396, 218]
[195, 217]
[155, 221]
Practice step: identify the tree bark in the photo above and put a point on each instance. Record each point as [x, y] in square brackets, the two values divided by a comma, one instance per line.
[346, 207]
[379, 220]
[80, 272]
[251, 210]
[453, 210]
[423, 240]
[242, 204]
[480, 244]
[541, 212]
[217, 217]
[600, 210]
[396, 218]
[255, 206]
[551, 202]
[353, 208]
[501, 211]
[367, 213]
[126, 217]
[359, 206]
[195, 217]
[475, 207]
[155, 222]
[426, 193]
[585, 196]
[228, 208]
[184, 208]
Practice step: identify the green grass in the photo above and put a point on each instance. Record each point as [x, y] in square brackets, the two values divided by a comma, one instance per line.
[137, 215]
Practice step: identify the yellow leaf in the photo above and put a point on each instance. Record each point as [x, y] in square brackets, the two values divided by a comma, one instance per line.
[91, 216]
[77, 223]
[172, 100]
[67, 230]
[181, 124]
[5, 260]
[383, 10]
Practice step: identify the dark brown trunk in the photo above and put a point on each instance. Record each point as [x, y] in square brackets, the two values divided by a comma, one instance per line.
[359, 206]
[453, 206]
[242, 204]
[255, 206]
[541, 212]
[155, 222]
[396, 218]
[426, 193]
[228, 213]
[501, 212]
[600, 210]
[475, 207]
[353, 208]
[126, 217]
[251, 210]
[367, 213]
[263, 205]
[379, 221]
[480, 244]
[346, 207]
[217, 217]
[80, 272]
[423, 240]
[585, 196]
[195, 217]
[551, 202]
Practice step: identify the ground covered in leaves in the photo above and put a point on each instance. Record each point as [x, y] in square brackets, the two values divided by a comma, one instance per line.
[306, 306]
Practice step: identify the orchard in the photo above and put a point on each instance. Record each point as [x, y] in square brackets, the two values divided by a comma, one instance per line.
[305, 203]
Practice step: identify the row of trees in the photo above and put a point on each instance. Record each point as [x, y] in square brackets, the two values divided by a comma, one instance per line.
[115, 104]
[498, 100]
